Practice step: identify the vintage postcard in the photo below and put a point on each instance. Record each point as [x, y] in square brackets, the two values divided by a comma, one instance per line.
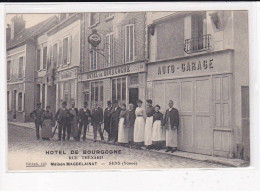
[127, 90]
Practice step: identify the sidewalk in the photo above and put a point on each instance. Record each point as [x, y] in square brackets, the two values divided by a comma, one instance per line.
[193, 156]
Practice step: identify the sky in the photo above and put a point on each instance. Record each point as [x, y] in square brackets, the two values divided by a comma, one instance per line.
[30, 19]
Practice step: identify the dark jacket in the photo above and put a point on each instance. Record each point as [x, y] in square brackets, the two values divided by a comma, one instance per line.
[158, 116]
[174, 118]
[37, 115]
[115, 118]
[107, 118]
[130, 119]
[63, 115]
[97, 116]
[84, 116]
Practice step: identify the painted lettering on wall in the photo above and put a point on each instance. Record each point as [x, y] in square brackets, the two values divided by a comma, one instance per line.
[66, 75]
[200, 65]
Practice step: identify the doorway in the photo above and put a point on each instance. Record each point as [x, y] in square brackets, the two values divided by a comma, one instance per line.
[133, 96]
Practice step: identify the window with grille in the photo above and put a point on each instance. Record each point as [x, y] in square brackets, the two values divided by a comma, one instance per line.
[45, 57]
[129, 43]
[20, 70]
[109, 50]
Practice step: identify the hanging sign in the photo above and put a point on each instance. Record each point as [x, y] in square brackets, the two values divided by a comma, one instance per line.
[94, 38]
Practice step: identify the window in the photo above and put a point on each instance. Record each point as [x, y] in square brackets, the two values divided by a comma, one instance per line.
[109, 50]
[38, 59]
[20, 101]
[8, 70]
[66, 51]
[119, 90]
[97, 93]
[198, 29]
[55, 55]
[8, 100]
[20, 69]
[44, 57]
[43, 95]
[93, 59]
[129, 43]
[94, 19]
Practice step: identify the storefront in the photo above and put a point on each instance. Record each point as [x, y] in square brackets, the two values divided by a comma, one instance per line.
[123, 83]
[66, 87]
[201, 88]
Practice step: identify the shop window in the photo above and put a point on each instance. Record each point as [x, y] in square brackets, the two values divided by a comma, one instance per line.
[86, 97]
[109, 50]
[97, 93]
[94, 19]
[119, 90]
[20, 101]
[93, 59]
[38, 59]
[45, 57]
[8, 70]
[129, 43]
[55, 55]
[20, 68]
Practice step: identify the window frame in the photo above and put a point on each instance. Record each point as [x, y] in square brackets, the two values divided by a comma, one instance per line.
[46, 58]
[68, 54]
[97, 22]
[125, 44]
[22, 102]
[108, 61]
[90, 60]
[10, 76]
[22, 73]
[38, 65]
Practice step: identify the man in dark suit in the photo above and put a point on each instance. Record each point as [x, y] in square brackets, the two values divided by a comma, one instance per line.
[171, 123]
[107, 118]
[84, 119]
[37, 116]
[96, 121]
[64, 117]
[115, 120]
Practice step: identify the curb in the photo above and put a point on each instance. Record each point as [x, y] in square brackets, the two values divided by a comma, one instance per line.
[196, 157]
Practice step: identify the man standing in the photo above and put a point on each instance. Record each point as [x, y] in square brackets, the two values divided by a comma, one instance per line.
[115, 120]
[84, 118]
[74, 122]
[171, 122]
[96, 121]
[107, 118]
[129, 123]
[37, 116]
[148, 124]
[63, 117]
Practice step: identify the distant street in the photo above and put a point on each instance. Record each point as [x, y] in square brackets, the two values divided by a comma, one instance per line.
[24, 151]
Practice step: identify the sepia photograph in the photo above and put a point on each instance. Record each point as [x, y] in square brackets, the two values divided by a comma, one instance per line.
[127, 90]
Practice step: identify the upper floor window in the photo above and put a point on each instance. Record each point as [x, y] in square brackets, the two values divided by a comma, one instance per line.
[8, 70]
[20, 101]
[55, 55]
[66, 50]
[129, 43]
[38, 59]
[109, 50]
[94, 19]
[44, 57]
[20, 67]
[93, 59]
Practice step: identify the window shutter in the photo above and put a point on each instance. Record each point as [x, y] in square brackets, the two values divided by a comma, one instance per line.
[70, 50]
[60, 54]
[23, 101]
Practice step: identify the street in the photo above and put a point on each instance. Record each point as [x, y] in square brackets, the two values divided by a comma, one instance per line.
[26, 153]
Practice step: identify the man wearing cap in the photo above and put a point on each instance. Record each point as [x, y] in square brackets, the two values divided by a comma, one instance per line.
[148, 124]
[37, 116]
[64, 117]
[84, 119]
[171, 123]
[115, 120]
[107, 118]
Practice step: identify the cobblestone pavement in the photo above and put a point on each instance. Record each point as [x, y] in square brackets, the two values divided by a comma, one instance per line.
[26, 153]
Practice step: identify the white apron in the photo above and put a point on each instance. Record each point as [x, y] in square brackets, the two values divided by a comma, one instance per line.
[158, 133]
[122, 132]
[171, 136]
[148, 131]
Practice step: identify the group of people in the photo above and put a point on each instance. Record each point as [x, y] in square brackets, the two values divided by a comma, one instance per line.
[133, 126]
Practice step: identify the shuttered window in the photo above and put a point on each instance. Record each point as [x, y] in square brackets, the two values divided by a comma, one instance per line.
[129, 43]
[44, 57]
[109, 50]
[38, 59]
[20, 68]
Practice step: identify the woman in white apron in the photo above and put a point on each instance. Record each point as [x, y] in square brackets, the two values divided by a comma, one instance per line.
[139, 125]
[148, 125]
[158, 135]
[122, 129]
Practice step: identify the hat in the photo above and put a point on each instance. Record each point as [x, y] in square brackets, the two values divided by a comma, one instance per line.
[38, 103]
[109, 102]
[65, 103]
[139, 101]
[115, 101]
[85, 103]
[149, 101]
[158, 106]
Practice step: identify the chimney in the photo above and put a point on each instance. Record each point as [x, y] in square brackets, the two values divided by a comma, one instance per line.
[8, 32]
[18, 24]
